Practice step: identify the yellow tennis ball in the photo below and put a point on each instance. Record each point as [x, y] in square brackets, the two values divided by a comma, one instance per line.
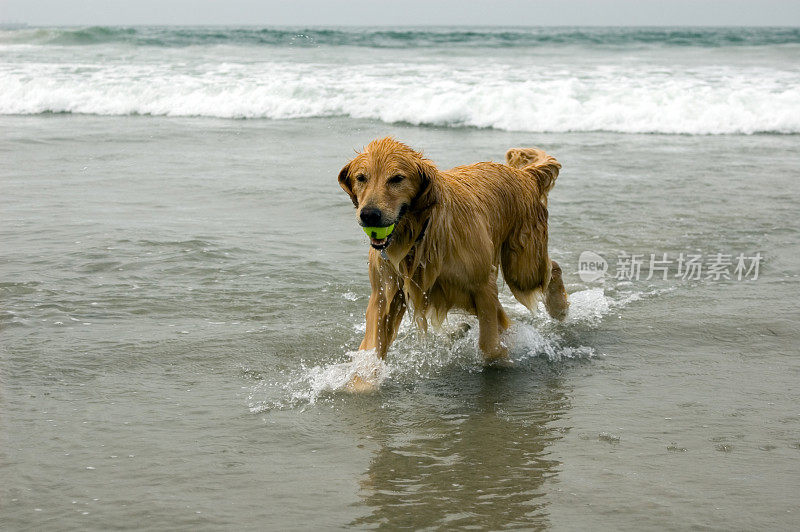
[379, 233]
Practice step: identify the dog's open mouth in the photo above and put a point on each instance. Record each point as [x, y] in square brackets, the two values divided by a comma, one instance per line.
[380, 243]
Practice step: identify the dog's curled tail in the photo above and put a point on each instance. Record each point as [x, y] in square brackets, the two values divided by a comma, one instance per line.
[536, 162]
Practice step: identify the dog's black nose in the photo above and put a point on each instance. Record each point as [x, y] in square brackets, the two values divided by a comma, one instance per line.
[371, 217]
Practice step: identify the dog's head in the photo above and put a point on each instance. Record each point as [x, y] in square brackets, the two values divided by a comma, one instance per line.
[387, 182]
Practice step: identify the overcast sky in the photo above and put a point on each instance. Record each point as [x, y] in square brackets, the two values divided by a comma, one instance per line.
[403, 12]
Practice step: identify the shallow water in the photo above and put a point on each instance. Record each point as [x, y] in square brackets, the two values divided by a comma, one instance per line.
[181, 298]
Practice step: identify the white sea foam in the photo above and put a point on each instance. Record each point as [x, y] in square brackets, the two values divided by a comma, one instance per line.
[702, 100]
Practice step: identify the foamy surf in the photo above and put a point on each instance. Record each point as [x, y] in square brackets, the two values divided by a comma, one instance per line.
[732, 90]
[706, 100]
[455, 347]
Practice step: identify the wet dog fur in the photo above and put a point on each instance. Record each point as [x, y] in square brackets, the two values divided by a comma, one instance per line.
[454, 230]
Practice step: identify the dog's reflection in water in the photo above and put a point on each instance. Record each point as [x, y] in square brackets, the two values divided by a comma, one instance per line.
[474, 454]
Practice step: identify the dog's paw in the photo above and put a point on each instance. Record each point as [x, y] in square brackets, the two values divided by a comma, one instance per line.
[359, 384]
[558, 312]
[460, 332]
[497, 358]
[499, 363]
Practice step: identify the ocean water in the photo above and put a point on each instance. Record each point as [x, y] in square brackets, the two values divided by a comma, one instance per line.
[182, 282]
[690, 81]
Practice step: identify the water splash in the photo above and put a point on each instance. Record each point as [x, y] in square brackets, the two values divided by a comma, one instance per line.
[415, 356]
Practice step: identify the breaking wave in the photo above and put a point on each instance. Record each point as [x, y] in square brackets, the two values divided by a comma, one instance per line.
[704, 100]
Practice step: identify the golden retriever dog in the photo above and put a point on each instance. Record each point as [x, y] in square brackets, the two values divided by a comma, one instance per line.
[453, 230]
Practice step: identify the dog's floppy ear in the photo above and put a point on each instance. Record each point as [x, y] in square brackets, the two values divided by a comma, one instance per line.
[346, 184]
[427, 195]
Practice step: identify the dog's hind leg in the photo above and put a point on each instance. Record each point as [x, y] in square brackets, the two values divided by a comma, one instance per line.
[527, 274]
[488, 310]
[525, 270]
[555, 300]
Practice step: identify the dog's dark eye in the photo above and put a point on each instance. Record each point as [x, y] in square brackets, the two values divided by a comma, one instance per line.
[361, 178]
[396, 179]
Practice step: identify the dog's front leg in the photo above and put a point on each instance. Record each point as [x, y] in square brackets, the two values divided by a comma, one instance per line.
[368, 382]
[376, 308]
[385, 311]
[382, 323]
[383, 320]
